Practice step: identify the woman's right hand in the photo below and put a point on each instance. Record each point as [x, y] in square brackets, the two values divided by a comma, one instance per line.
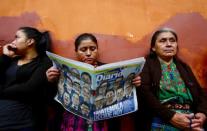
[9, 50]
[52, 74]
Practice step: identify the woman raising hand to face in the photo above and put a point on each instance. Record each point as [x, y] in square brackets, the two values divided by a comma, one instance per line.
[23, 81]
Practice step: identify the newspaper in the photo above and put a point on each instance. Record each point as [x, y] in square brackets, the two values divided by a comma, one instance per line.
[97, 93]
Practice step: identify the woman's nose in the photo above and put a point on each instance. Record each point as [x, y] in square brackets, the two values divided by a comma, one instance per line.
[88, 52]
[168, 43]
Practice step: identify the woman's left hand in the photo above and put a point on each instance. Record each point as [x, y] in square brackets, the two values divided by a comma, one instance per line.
[137, 81]
[198, 120]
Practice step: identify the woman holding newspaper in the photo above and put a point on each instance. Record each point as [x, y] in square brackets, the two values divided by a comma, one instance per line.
[86, 48]
[23, 81]
[172, 96]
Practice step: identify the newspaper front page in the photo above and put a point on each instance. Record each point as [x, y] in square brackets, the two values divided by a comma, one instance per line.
[97, 93]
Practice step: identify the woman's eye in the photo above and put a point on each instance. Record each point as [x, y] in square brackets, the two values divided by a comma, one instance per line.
[172, 40]
[92, 48]
[83, 49]
[162, 40]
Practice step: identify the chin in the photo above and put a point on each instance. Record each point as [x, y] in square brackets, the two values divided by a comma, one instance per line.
[170, 56]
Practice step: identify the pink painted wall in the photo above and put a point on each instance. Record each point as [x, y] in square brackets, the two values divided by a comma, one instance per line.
[123, 28]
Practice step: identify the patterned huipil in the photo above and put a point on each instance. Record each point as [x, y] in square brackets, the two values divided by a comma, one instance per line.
[72, 122]
[173, 94]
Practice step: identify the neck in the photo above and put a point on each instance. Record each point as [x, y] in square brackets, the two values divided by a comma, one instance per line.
[28, 57]
[166, 61]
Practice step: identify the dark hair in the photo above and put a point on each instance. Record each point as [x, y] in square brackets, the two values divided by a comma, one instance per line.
[156, 34]
[84, 36]
[42, 39]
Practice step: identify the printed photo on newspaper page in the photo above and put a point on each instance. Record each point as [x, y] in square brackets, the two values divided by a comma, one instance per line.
[97, 93]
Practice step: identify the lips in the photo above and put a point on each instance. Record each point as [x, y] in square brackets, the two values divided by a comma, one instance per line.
[169, 50]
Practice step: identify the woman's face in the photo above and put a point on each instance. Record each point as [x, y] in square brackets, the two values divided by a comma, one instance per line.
[87, 52]
[165, 46]
[20, 42]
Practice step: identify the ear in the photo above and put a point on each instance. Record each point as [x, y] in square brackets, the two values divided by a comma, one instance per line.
[153, 48]
[30, 42]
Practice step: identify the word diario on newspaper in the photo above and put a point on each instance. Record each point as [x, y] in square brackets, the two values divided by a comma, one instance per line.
[97, 93]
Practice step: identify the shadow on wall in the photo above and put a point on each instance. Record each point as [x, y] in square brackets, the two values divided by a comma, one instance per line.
[192, 41]
[9, 25]
[192, 44]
